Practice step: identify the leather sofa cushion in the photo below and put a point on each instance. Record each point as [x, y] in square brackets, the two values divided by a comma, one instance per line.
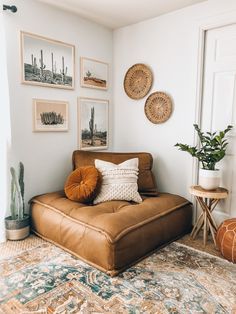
[111, 235]
[82, 184]
[146, 180]
[113, 218]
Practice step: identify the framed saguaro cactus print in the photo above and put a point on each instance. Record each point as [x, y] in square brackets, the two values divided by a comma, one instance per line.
[93, 123]
[47, 62]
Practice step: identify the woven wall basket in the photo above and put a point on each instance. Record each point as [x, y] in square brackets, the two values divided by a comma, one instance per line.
[138, 81]
[158, 107]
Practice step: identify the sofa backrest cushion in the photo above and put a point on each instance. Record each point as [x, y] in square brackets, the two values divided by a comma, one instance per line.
[119, 181]
[146, 180]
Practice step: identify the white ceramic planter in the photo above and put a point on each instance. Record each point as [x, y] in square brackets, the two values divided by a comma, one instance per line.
[209, 179]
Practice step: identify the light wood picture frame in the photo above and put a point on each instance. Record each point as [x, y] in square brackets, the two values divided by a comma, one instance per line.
[50, 115]
[47, 62]
[93, 123]
[94, 73]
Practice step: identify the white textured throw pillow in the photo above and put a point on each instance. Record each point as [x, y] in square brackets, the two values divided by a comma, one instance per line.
[119, 182]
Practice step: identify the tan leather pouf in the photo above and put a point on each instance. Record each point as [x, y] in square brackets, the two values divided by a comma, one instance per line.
[226, 239]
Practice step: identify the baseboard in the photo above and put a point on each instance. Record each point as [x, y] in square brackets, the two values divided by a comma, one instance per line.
[220, 216]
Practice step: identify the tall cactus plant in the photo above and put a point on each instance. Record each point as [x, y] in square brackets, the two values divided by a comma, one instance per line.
[17, 193]
[13, 198]
[21, 182]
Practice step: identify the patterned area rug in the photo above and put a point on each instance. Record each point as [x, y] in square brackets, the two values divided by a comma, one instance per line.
[176, 279]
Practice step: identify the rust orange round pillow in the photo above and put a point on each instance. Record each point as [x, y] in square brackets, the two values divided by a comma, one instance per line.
[82, 184]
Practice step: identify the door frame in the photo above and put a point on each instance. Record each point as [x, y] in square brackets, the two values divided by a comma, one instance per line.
[219, 21]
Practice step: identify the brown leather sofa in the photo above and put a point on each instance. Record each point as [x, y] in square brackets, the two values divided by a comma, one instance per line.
[112, 235]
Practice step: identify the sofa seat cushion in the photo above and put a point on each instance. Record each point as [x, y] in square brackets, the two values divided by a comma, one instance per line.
[114, 234]
[115, 218]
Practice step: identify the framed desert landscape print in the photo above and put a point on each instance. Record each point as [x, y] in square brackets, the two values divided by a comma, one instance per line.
[94, 73]
[50, 115]
[47, 62]
[93, 123]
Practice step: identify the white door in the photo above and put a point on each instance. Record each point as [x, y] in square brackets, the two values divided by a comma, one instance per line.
[219, 105]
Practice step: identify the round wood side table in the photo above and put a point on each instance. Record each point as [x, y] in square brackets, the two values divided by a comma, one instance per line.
[207, 201]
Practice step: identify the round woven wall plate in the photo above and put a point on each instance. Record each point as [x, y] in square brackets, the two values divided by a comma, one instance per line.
[138, 81]
[158, 107]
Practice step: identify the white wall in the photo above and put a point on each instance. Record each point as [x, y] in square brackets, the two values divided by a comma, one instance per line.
[4, 128]
[47, 156]
[169, 45]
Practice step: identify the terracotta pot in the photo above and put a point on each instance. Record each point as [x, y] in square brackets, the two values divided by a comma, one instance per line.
[209, 179]
[17, 229]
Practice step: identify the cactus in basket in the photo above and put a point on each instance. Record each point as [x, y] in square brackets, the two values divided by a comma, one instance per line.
[17, 193]
[18, 224]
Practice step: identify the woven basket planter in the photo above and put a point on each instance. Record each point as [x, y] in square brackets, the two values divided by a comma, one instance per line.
[17, 229]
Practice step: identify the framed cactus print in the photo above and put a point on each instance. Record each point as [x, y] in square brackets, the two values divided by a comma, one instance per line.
[93, 123]
[47, 62]
[50, 115]
[93, 73]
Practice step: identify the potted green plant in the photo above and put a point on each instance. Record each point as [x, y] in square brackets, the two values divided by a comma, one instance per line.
[17, 225]
[211, 150]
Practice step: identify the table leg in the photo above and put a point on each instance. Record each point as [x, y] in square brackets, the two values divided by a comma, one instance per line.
[205, 228]
[208, 212]
[213, 234]
[197, 226]
[213, 205]
[206, 219]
